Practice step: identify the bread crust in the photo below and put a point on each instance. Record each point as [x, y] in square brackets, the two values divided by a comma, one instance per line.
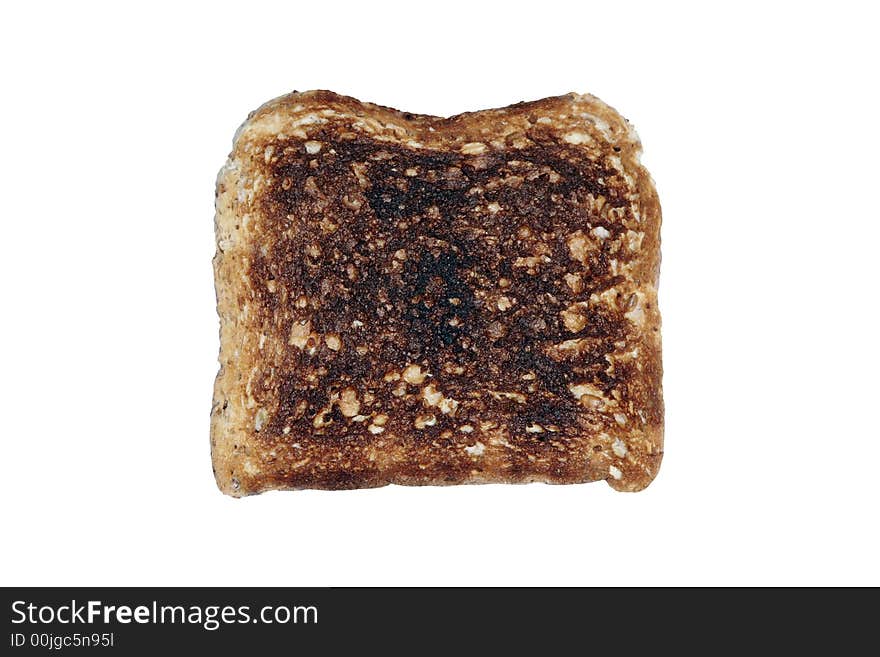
[419, 300]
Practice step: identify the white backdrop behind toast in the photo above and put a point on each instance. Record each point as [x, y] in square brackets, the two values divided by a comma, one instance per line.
[759, 127]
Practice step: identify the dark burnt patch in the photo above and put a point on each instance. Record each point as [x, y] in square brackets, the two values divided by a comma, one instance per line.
[408, 256]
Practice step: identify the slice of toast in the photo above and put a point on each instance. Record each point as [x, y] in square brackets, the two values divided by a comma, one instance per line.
[418, 300]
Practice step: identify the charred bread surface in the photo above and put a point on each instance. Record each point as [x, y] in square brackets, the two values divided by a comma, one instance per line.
[418, 300]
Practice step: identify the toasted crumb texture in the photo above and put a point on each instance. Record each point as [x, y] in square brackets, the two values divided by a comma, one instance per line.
[419, 300]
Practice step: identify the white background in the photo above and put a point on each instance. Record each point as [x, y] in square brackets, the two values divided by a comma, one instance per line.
[759, 123]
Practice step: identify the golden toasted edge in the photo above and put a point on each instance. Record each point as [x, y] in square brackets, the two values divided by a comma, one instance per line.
[227, 420]
[648, 453]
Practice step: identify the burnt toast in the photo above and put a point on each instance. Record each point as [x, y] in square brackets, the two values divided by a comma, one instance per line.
[419, 300]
